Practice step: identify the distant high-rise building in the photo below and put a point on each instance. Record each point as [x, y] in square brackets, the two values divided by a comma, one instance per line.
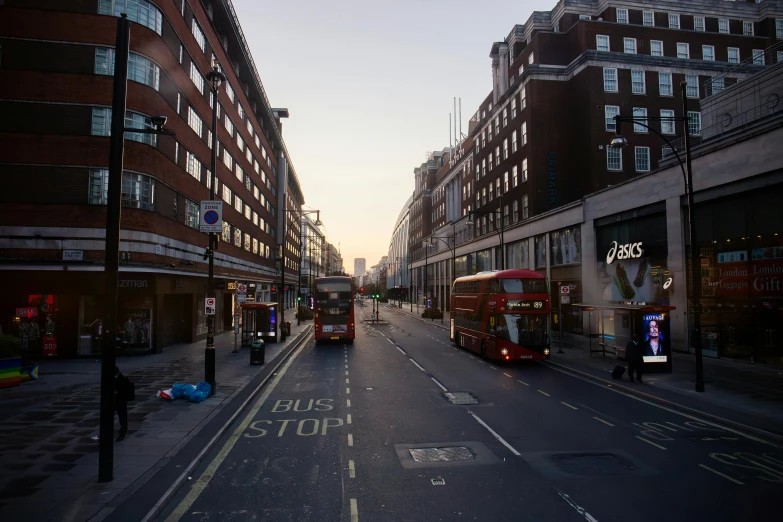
[359, 266]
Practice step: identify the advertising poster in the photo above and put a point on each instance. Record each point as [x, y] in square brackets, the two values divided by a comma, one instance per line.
[655, 338]
[628, 280]
[137, 328]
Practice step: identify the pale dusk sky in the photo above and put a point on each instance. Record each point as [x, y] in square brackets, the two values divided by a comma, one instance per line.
[369, 86]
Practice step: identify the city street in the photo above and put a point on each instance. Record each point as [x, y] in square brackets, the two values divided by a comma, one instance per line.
[365, 432]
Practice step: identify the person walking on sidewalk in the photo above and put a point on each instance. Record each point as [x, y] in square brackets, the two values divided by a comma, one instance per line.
[634, 356]
[121, 389]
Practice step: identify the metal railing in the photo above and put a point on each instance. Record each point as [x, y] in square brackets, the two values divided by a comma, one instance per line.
[746, 68]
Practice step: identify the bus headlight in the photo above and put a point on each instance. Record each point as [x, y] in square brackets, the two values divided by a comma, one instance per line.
[546, 351]
[504, 351]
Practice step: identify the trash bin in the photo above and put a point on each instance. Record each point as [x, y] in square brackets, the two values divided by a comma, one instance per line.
[257, 352]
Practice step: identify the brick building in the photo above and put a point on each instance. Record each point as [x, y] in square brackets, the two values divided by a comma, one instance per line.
[56, 64]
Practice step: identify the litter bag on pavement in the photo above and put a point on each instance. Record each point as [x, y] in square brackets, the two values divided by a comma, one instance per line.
[165, 394]
[203, 390]
[182, 390]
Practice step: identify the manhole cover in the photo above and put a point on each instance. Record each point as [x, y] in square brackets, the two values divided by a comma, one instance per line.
[449, 454]
[460, 398]
[438, 482]
[592, 464]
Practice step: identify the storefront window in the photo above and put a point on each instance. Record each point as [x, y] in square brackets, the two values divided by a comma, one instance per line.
[483, 261]
[517, 254]
[566, 246]
[541, 251]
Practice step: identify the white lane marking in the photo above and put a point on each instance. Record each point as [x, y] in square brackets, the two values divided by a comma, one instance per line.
[492, 367]
[350, 439]
[471, 356]
[507, 375]
[351, 469]
[348, 419]
[542, 392]
[346, 372]
[522, 382]
[390, 340]
[418, 365]
[566, 404]
[482, 362]
[348, 403]
[666, 408]
[401, 350]
[203, 481]
[722, 474]
[347, 391]
[439, 384]
[579, 509]
[651, 442]
[354, 511]
[346, 366]
[601, 420]
[347, 381]
[494, 434]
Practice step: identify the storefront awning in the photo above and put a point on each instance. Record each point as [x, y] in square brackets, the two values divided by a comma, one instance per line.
[640, 307]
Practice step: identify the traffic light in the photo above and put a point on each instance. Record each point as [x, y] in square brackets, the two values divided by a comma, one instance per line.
[298, 298]
[361, 290]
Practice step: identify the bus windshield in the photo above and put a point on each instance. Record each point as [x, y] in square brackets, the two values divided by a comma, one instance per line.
[523, 329]
[524, 286]
[333, 298]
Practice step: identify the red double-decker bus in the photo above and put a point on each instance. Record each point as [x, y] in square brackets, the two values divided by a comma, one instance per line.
[333, 309]
[501, 314]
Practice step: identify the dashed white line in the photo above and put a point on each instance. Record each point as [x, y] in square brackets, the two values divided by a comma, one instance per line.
[350, 439]
[522, 382]
[347, 381]
[507, 375]
[347, 391]
[542, 392]
[354, 511]
[722, 474]
[351, 469]
[579, 509]
[439, 384]
[599, 419]
[400, 349]
[566, 404]
[347, 403]
[346, 372]
[651, 442]
[348, 419]
[494, 434]
[471, 356]
[492, 367]
[390, 340]
[418, 365]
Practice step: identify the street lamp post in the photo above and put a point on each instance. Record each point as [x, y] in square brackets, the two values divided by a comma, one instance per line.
[619, 142]
[281, 293]
[500, 227]
[453, 247]
[215, 78]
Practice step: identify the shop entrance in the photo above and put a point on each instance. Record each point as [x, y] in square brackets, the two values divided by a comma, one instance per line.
[172, 316]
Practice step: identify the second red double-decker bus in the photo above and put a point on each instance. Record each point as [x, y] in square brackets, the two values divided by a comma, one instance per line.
[502, 314]
[333, 309]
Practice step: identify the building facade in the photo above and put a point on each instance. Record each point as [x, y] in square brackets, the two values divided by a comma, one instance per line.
[398, 249]
[359, 266]
[58, 62]
[313, 241]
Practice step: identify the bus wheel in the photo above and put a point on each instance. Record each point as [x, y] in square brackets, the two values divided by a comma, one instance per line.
[483, 349]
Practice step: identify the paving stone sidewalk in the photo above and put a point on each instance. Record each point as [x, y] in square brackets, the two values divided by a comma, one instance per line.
[48, 459]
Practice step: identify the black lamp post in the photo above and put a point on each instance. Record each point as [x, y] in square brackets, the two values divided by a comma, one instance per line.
[215, 79]
[281, 256]
[500, 227]
[453, 247]
[619, 142]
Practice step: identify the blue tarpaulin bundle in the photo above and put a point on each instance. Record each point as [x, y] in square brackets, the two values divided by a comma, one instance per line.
[203, 389]
[187, 391]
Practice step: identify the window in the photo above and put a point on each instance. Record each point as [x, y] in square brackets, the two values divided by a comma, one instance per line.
[614, 159]
[498, 192]
[241, 112]
[639, 112]
[193, 165]
[505, 216]
[228, 197]
[557, 26]
[601, 42]
[478, 199]
[779, 28]
[484, 138]
[513, 108]
[228, 161]
[514, 144]
[610, 111]
[491, 190]
[747, 28]
[683, 51]
[524, 170]
[692, 88]
[138, 190]
[255, 246]
[525, 207]
[522, 99]
[667, 127]
[101, 125]
[238, 203]
[497, 155]
[694, 122]
[198, 34]
[665, 84]
[240, 142]
[524, 133]
[530, 59]
[140, 69]
[734, 55]
[674, 21]
[181, 53]
[194, 121]
[515, 211]
[227, 123]
[237, 237]
[638, 84]
[505, 117]
[483, 196]
[717, 85]
[610, 80]
[240, 174]
[230, 92]
[629, 45]
[226, 236]
[779, 57]
[196, 77]
[642, 156]
[698, 23]
[489, 163]
[656, 48]
[758, 56]
[622, 16]
[192, 213]
[505, 182]
[505, 149]
[139, 11]
[648, 18]
[723, 26]
[514, 177]
[708, 53]
[521, 69]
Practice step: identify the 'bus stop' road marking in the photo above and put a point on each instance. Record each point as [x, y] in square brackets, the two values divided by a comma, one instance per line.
[722, 474]
[651, 442]
[601, 420]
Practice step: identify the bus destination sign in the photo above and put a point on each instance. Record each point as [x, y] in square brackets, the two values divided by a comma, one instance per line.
[525, 305]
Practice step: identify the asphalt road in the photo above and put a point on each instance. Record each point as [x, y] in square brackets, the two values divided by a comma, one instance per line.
[364, 432]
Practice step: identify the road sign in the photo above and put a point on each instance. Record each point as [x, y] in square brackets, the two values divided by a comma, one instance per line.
[211, 216]
[565, 299]
[565, 290]
[241, 298]
[209, 306]
[241, 289]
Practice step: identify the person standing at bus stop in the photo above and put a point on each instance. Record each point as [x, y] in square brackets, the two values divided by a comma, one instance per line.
[634, 356]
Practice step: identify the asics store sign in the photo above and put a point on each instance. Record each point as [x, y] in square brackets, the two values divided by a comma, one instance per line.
[627, 251]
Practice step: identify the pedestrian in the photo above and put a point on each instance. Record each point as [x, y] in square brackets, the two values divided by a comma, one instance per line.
[633, 354]
[121, 396]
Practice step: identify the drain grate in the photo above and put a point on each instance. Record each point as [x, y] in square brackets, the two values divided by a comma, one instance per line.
[448, 454]
[461, 398]
[592, 464]
[438, 482]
